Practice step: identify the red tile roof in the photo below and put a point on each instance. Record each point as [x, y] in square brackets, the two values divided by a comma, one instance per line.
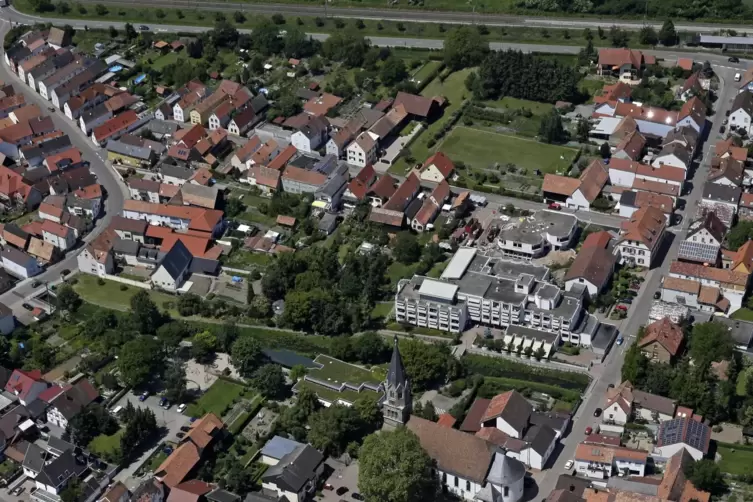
[442, 162]
[665, 333]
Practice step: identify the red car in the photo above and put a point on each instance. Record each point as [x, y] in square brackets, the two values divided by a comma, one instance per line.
[555, 206]
[620, 307]
[589, 430]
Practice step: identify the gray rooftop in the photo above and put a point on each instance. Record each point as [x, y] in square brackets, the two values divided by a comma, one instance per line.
[740, 331]
[531, 333]
[505, 268]
[278, 447]
[722, 193]
[137, 152]
[530, 230]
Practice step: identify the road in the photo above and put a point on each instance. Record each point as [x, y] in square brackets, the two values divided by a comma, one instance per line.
[417, 15]
[610, 370]
[116, 190]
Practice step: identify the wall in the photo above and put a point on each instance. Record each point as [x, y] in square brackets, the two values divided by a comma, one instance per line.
[123, 280]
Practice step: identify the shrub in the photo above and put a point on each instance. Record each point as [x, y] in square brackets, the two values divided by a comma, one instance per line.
[123, 287]
[100, 282]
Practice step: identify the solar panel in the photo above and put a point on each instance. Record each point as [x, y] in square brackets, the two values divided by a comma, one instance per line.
[698, 251]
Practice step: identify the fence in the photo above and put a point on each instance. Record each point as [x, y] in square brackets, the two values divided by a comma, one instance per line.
[130, 282]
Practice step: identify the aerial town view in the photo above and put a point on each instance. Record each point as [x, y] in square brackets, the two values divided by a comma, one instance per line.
[356, 250]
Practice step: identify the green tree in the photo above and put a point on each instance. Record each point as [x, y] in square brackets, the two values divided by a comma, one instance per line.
[394, 467]
[130, 31]
[316, 65]
[288, 105]
[239, 17]
[144, 313]
[707, 476]
[139, 360]
[635, 365]
[667, 33]
[90, 423]
[73, 491]
[203, 346]
[270, 381]
[551, 130]
[296, 43]
[407, 250]
[647, 36]
[583, 129]
[100, 9]
[739, 234]
[331, 429]
[370, 348]
[175, 382]
[428, 364]
[464, 47]
[393, 71]
[709, 342]
[172, 333]
[67, 298]
[605, 151]
[113, 32]
[347, 47]
[246, 355]
[426, 411]
[297, 372]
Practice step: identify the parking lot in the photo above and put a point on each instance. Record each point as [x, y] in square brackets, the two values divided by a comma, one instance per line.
[343, 476]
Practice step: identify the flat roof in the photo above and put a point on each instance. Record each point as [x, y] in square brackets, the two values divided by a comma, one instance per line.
[716, 39]
[459, 263]
[535, 334]
[437, 289]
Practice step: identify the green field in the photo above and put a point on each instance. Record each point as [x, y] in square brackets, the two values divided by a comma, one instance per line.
[381, 310]
[217, 399]
[111, 296]
[336, 372]
[240, 259]
[481, 149]
[397, 271]
[510, 103]
[162, 61]
[737, 461]
[744, 314]
[106, 445]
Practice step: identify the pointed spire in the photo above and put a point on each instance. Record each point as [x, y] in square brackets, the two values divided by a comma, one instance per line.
[396, 373]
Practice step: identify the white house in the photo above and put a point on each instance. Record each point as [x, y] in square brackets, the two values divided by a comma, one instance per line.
[310, 136]
[598, 461]
[173, 271]
[69, 403]
[741, 114]
[362, 151]
[683, 433]
[19, 264]
[674, 155]
[92, 261]
[25, 385]
[577, 193]
[641, 237]
[295, 475]
[692, 114]
[60, 236]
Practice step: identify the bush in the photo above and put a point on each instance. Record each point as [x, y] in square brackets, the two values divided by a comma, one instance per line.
[100, 282]
[123, 287]
[504, 368]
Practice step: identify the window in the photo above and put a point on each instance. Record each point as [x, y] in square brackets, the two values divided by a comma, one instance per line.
[507, 491]
[467, 486]
[456, 482]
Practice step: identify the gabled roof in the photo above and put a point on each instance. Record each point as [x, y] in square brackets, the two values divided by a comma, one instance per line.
[665, 333]
[442, 162]
[414, 105]
[177, 260]
[295, 469]
[384, 187]
[512, 407]
[21, 382]
[729, 169]
[632, 145]
[695, 109]
[593, 179]
[698, 271]
[404, 193]
[712, 224]
[721, 193]
[620, 57]
[561, 185]
[684, 430]
[727, 148]
[645, 226]
[594, 264]
[743, 101]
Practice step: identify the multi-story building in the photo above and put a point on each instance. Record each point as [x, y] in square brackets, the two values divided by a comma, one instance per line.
[536, 235]
[497, 292]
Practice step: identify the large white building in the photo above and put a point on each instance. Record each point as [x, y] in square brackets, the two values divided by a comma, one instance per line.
[536, 235]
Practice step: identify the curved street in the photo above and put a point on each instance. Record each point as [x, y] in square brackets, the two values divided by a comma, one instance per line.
[114, 187]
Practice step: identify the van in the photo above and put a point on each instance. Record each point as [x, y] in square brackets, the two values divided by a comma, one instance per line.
[116, 411]
[737, 77]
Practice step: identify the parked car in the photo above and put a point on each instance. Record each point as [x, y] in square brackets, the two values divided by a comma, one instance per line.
[27, 306]
[620, 341]
[182, 408]
[52, 109]
[144, 27]
[733, 59]
[162, 401]
[597, 412]
[610, 386]
[35, 283]
[657, 295]
[722, 129]
[185, 428]
[589, 430]
[569, 464]
[620, 307]
[357, 496]
[166, 405]
[180, 435]
[18, 490]
[328, 486]
[629, 301]
[144, 395]
[342, 490]
[555, 206]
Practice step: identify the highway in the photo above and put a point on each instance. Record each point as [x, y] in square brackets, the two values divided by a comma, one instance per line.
[116, 190]
[418, 15]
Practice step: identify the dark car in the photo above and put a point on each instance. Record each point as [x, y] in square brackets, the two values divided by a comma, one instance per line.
[65, 271]
[597, 412]
[722, 129]
[341, 490]
[627, 300]
[180, 435]
[657, 295]
[35, 283]
[733, 59]
[357, 496]
[610, 386]
[27, 306]
[144, 27]
[185, 428]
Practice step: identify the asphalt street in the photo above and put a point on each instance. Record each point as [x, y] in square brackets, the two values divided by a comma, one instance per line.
[609, 372]
[418, 15]
[116, 190]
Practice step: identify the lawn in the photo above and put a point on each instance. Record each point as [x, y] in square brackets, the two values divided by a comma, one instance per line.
[518, 104]
[452, 88]
[381, 310]
[241, 258]
[7, 467]
[744, 314]
[162, 61]
[425, 72]
[110, 295]
[217, 399]
[253, 216]
[397, 271]
[106, 446]
[481, 149]
[157, 460]
[337, 372]
[736, 459]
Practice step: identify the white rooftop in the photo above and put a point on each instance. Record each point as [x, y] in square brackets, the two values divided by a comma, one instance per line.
[436, 289]
[605, 125]
[459, 263]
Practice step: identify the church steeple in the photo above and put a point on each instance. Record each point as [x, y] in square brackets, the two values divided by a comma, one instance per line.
[398, 401]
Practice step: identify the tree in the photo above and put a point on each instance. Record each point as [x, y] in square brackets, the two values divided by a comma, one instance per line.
[145, 314]
[90, 423]
[175, 382]
[224, 34]
[270, 381]
[551, 130]
[316, 65]
[583, 130]
[172, 333]
[370, 348]
[667, 33]
[634, 366]
[347, 47]
[605, 151]
[709, 342]
[707, 476]
[113, 32]
[426, 411]
[73, 491]
[67, 298]
[297, 372]
[203, 346]
[331, 429]
[739, 234]
[393, 71]
[619, 37]
[288, 105]
[130, 31]
[407, 250]
[239, 17]
[139, 360]
[100, 9]
[394, 467]
[227, 334]
[296, 43]
[246, 355]
[464, 47]
[647, 36]
[234, 205]
[428, 364]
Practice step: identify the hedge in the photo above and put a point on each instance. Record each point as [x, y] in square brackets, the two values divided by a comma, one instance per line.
[505, 368]
[495, 385]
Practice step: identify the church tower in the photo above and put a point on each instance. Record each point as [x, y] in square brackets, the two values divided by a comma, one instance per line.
[398, 401]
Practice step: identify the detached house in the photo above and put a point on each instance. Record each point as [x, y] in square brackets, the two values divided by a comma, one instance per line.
[641, 237]
[683, 433]
[598, 461]
[362, 151]
[704, 240]
[430, 207]
[359, 186]
[624, 403]
[593, 266]
[625, 64]
[662, 342]
[310, 135]
[577, 193]
[69, 403]
[436, 168]
[25, 385]
[741, 114]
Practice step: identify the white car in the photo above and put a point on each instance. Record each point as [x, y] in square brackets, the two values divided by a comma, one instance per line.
[569, 465]
[181, 408]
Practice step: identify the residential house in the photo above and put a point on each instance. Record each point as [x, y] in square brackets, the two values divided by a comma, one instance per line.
[436, 168]
[741, 113]
[19, 264]
[594, 264]
[404, 194]
[268, 180]
[339, 141]
[174, 174]
[419, 107]
[143, 189]
[740, 260]
[150, 490]
[631, 147]
[94, 117]
[63, 75]
[662, 341]
[685, 136]
[191, 194]
[311, 135]
[115, 127]
[7, 320]
[687, 433]
[624, 403]
[722, 198]
[12, 234]
[631, 201]
[693, 114]
[48, 211]
[58, 235]
[381, 191]
[69, 403]
[602, 461]
[62, 93]
[126, 228]
[430, 207]
[577, 193]
[174, 269]
[118, 492]
[729, 286]
[96, 258]
[195, 94]
[727, 171]
[243, 121]
[120, 152]
[320, 105]
[619, 91]
[57, 473]
[362, 151]
[296, 474]
[326, 180]
[674, 155]
[186, 457]
[359, 186]
[25, 385]
[243, 154]
[44, 252]
[625, 64]
[704, 240]
[641, 236]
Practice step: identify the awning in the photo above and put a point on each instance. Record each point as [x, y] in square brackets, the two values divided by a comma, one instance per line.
[319, 204]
